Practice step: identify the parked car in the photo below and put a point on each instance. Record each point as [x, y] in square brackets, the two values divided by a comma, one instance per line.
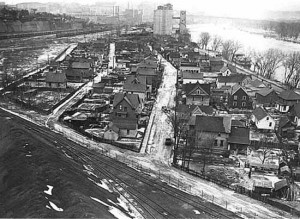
[168, 142]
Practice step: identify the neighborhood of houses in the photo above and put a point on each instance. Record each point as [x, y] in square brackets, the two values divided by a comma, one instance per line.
[221, 113]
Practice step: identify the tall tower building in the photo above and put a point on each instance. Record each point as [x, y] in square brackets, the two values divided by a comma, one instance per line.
[163, 17]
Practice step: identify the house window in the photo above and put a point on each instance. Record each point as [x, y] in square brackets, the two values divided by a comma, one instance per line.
[234, 103]
[243, 104]
[244, 97]
[216, 142]
[235, 97]
[221, 143]
[128, 131]
[198, 91]
[270, 124]
[120, 107]
[267, 118]
[125, 108]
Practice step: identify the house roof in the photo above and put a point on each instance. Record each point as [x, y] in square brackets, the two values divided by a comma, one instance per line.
[235, 78]
[98, 85]
[229, 67]
[174, 55]
[259, 113]
[265, 91]
[125, 124]
[295, 110]
[283, 121]
[146, 71]
[190, 87]
[189, 64]
[289, 95]
[182, 108]
[147, 64]
[56, 77]
[132, 99]
[191, 75]
[235, 88]
[237, 123]
[135, 84]
[257, 83]
[239, 135]
[213, 124]
[81, 65]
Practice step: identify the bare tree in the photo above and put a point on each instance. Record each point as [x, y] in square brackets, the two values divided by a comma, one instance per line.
[269, 62]
[235, 48]
[204, 39]
[227, 48]
[216, 43]
[292, 68]
[205, 144]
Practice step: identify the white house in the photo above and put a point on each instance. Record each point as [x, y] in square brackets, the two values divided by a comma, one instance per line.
[228, 70]
[262, 119]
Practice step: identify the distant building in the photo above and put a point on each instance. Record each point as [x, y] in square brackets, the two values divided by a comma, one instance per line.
[163, 17]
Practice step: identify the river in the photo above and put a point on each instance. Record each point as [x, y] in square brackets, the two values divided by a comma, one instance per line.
[249, 41]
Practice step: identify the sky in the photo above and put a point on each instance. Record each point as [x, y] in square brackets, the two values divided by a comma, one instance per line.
[234, 8]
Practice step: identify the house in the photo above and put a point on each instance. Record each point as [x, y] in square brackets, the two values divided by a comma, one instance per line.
[152, 77]
[257, 83]
[262, 120]
[192, 67]
[98, 87]
[56, 79]
[232, 80]
[196, 94]
[191, 77]
[79, 72]
[126, 110]
[295, 114]
[286, 99]
[188, 113]
[175, 58]
[286, 128]
[137, 85]
[213, 128]
[216, 64]
[266, 97]
[227, 70]
[239, 139]
[112, 133]
[239, 98]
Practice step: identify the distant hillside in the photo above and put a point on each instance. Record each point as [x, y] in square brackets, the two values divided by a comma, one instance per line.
[282, 15]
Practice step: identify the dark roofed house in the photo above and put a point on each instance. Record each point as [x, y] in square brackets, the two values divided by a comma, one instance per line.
[79, 72]
[191, 77]
[214, 128]
[216, 64]
[190, 66]
[286, 128]
[286, 99]
[239, 98]
[98, 87]
[56, 79]
[175, 58]
[239, 139]
[197, 94]
[266, 96]
[136, 85]
[186, 112]
[126, 110]
[295, 114]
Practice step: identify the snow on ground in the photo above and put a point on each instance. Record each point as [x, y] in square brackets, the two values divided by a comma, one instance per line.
[49, 191]
[55, 207]
[103, 184]
[113, 210]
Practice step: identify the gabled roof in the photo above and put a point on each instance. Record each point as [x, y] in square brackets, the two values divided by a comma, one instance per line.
[190, 87]
[56, 77]
[257, 83]
[265, 91]
[239, 135]
[81, 65]
[228, 67]
[235, 88]
[147, 64]
[283, 121]
[132, 99]
[289, 95]
[235, 78]
[182, 108]
[259, 113]
[192, 75]
[135, 84]
[213, 124]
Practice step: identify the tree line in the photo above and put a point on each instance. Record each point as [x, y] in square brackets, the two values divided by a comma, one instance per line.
[264, 63]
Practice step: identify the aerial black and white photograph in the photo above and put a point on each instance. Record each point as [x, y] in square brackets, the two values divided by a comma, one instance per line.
[150, 109]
